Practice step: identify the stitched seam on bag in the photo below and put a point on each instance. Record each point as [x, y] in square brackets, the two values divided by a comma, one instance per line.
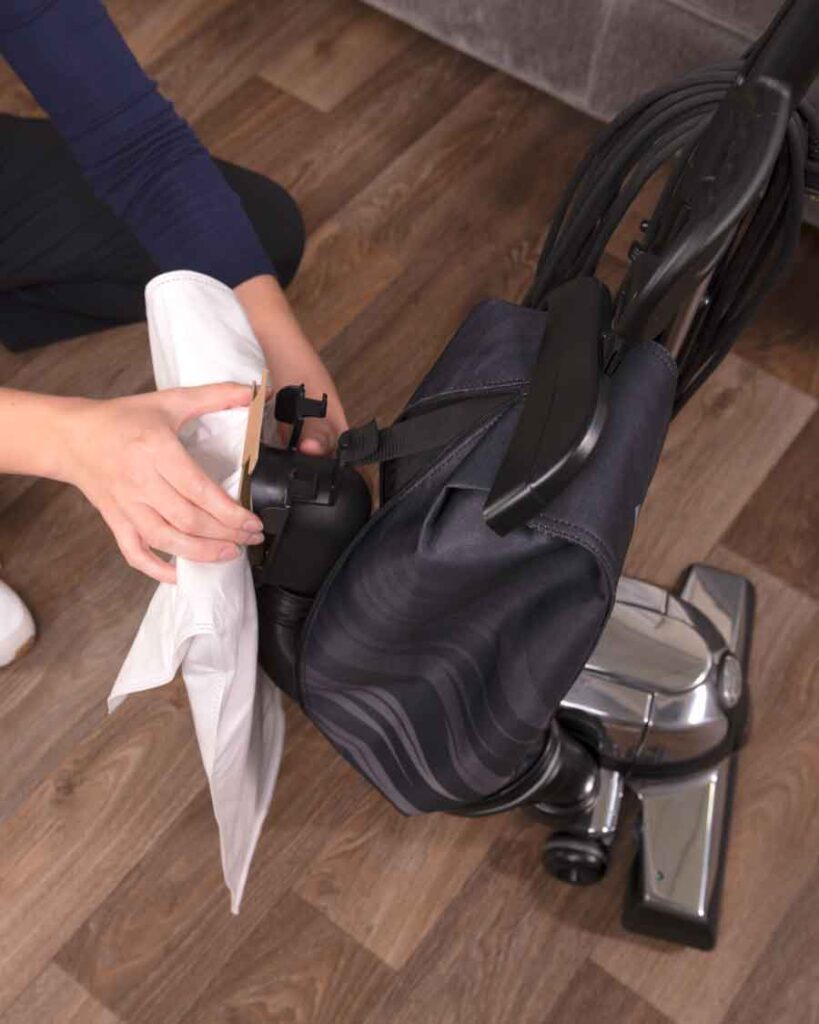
[662, 355]
[467, 390]
[578, 534]
[487, 330]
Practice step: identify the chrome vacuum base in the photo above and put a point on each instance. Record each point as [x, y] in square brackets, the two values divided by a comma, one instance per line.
[662, 706]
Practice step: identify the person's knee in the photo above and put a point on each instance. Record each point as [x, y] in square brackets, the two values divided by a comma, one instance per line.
[275, 216]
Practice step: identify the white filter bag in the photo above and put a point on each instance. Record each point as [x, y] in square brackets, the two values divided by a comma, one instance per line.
[206, 624]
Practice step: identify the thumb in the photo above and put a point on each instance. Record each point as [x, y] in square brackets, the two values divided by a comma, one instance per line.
[319, 437]
[190, 403]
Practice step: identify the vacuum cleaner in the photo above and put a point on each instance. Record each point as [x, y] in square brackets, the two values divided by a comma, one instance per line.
[472, 647]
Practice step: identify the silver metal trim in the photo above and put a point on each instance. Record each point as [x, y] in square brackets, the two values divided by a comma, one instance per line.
[658, 685]
[601, 821]
[616, 714]
[682, 828]
[650, 650]
[731, 681]
[642, 594]
[683, 726]
[725, 599]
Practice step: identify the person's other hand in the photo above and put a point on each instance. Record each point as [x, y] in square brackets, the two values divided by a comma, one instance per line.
[125, 456]
[292, 360]
[299, 363]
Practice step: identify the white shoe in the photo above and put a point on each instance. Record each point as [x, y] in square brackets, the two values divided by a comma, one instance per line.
[17, 630]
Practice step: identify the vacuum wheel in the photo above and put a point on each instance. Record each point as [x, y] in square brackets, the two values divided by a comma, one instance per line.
[575, 860]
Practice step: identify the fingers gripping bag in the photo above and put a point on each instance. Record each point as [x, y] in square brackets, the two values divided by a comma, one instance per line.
[206, 624]
[437, 649]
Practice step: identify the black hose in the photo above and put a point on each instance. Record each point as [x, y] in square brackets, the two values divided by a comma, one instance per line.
[656, 128]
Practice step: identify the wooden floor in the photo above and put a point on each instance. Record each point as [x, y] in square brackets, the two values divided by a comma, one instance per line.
[426, 181]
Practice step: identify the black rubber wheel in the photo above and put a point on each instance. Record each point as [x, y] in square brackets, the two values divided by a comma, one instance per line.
[575, 860]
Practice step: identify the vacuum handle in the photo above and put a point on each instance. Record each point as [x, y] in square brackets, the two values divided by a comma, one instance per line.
[788, 51]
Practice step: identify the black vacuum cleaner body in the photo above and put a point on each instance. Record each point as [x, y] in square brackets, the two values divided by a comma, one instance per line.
[658, 704]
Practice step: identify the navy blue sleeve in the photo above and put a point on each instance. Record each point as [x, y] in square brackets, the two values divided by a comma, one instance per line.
[140, 157]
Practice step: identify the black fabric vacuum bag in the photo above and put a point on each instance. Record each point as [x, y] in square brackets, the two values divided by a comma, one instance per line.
[436, 651]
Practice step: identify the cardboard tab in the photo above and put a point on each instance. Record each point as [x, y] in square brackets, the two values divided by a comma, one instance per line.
[253, 438]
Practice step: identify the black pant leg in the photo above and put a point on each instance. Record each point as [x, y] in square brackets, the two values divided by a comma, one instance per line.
[68, 266]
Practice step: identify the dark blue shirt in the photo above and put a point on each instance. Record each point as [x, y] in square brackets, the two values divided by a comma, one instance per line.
[139, 155]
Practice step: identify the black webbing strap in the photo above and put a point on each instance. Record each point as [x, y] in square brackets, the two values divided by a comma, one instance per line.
[420, 433]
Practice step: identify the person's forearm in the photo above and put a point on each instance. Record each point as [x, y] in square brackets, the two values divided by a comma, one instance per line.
[139, 156]
[32, 432]
[273, 321]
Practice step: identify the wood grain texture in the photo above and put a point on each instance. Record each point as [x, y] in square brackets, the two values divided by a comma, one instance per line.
[152, 27]
[86, 825]
[510, 943]
[426, 181]
[594, 995]
[382, 354]
[783, 338]
[326, 160]
[421, 200]
[779, 527]
[295, 967]
[55, 998]
[86, 613]
[386, 879]
[208, 64]
[718, 451]
[346, 48]
[784, 985]
[161, 937]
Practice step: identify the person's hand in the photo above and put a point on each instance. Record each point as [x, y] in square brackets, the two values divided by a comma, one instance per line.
[125, 456]
[292, 360]
[299, 363]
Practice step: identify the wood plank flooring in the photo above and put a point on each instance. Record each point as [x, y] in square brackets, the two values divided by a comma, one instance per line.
[426, 181]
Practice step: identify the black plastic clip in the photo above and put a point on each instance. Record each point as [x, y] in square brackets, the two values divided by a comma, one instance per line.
[293, 406]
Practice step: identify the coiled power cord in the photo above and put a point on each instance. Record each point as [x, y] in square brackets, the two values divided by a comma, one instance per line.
[662, 126]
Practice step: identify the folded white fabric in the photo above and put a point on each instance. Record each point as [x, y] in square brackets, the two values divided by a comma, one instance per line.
[206, 624]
